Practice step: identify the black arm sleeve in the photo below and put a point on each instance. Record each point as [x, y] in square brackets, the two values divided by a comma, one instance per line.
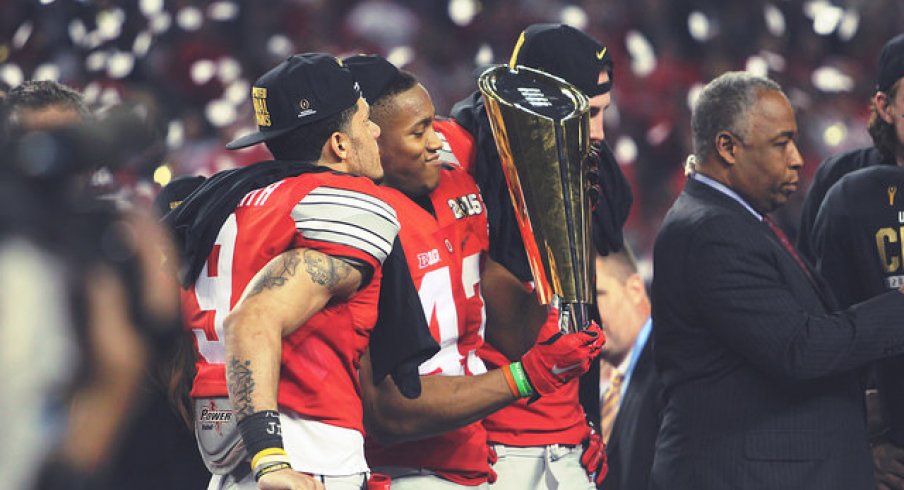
[401, 339]
[612, 206]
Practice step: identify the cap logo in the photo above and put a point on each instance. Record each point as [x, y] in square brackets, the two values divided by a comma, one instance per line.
[892, 189]
[305, 106]
[601, 53]
[259, 100]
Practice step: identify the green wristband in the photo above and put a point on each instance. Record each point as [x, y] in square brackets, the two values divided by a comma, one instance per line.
[524, 387]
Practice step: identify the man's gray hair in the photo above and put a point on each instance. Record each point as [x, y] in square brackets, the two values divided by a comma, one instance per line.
[39, 95]
[724, 105]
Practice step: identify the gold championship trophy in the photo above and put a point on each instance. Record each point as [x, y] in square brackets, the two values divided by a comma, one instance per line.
[541, 124]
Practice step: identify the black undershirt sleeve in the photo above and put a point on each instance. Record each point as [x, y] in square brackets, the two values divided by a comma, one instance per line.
[401, 339]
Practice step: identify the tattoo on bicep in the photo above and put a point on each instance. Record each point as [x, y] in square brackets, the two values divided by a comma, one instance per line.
[241, 386]
[275, 274]
[325, 270]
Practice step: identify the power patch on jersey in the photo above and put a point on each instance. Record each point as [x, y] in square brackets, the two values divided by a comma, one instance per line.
[219, 440]
[211, 418]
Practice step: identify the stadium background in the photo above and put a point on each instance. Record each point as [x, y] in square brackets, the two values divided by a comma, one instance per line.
[190, 65]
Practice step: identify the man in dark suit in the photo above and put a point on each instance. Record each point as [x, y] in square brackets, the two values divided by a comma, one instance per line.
[631, 429]
[760, 378]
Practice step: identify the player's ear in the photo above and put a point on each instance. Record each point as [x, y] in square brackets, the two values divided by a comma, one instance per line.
[339, 145]
[883, 107]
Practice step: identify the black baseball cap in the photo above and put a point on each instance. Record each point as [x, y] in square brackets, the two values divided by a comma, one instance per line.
[304, 89]
[891, 63]
[373, 74]
[173, 193]
[565, 52]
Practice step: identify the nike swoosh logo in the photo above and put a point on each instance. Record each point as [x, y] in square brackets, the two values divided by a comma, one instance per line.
[557, 370]
[601, 53]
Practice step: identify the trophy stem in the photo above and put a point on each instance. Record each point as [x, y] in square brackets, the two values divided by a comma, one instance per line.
[572, 222]
[573, 317]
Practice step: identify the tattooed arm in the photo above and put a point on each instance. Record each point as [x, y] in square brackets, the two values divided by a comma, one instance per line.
[281, 297]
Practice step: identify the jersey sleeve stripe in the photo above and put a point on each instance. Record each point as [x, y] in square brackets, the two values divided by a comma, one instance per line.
[379, 231]
[317, 207]
[377, 251]
[347, 197]
[363, 233]
[335, 191]
[347, 218]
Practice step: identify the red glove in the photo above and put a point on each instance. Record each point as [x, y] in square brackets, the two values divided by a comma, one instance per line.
[594, 457]
[561, 357]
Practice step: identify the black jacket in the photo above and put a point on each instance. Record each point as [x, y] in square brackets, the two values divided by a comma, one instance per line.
[829, 172]
[760, 378]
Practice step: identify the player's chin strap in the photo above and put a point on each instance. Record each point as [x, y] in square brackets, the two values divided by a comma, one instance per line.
[262, 433]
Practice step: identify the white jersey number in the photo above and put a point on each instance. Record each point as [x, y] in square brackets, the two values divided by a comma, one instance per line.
[214, 293]
[437, 299]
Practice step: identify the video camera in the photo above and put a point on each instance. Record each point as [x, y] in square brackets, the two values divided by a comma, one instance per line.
[120, 138]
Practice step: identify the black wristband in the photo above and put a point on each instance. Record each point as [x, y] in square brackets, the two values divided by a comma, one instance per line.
[270, 469]
[261, 430]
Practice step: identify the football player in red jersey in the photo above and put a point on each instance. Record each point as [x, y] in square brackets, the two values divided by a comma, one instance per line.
[539, 445]
[282, 273]
[445, 237]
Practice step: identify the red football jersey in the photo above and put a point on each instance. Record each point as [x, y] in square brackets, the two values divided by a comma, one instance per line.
[337, 214]
[553, 419]
[445, 255]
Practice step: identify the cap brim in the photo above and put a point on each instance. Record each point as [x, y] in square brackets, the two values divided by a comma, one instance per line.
[257, 137]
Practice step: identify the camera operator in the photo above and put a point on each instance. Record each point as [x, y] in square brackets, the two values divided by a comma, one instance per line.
[102, 308]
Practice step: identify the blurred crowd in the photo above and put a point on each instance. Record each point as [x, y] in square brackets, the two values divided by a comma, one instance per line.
[189, 64]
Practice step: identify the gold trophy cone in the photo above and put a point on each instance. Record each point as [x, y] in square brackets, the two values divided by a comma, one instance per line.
[541, 125]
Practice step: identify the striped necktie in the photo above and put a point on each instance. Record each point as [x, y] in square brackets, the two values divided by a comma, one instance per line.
[610, 404]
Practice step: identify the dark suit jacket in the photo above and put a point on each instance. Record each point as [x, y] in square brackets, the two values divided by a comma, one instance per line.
[633, 438]
[760, 382]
